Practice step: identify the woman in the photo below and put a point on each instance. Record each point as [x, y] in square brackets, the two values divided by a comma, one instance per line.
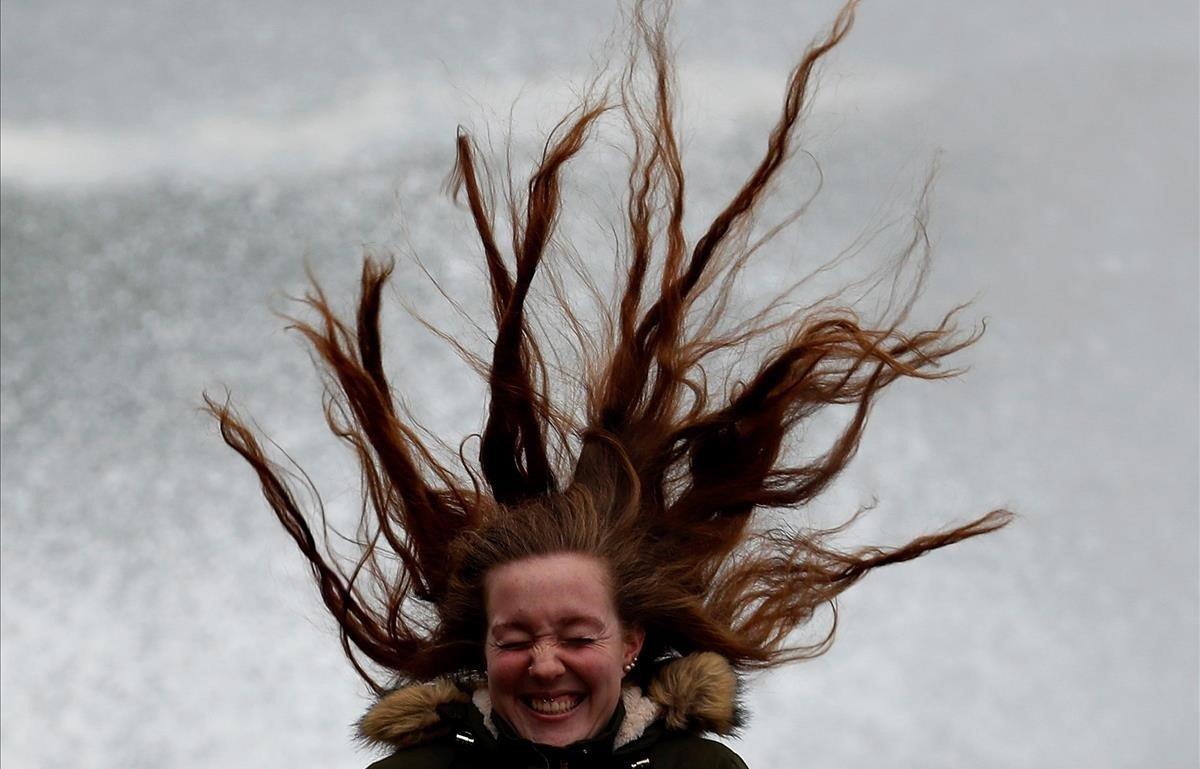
[586, 594]
[565, 682]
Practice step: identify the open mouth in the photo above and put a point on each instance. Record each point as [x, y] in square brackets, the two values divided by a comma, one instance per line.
[557, 705]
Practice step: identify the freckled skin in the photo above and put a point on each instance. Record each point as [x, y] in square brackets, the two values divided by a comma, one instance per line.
[553, 630]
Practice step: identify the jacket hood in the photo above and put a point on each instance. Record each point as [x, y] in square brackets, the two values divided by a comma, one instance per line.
[696, 693]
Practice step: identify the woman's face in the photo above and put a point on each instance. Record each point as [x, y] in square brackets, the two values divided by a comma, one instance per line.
[555, 648]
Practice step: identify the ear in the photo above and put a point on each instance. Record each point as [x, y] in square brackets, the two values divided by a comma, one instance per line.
[633, 640]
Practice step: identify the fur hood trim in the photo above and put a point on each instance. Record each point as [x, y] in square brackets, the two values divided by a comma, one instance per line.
[409, 716]
[696, 693]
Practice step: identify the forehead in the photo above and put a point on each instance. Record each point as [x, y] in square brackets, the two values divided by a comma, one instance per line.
[549, 588]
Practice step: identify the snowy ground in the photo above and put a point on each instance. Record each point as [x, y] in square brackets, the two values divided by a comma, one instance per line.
[168, 167]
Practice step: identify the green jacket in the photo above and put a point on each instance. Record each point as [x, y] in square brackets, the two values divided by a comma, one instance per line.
[449, 725]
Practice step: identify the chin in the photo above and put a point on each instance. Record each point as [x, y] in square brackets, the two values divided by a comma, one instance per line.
[557, 739]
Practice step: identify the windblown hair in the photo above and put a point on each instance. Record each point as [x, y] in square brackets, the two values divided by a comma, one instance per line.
[664, 481]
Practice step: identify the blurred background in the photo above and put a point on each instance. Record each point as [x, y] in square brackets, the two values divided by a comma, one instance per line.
[168, 169]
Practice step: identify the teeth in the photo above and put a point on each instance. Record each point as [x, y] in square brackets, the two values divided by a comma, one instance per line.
[553, 705]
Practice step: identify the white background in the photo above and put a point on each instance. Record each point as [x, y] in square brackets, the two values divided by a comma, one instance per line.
[168, 168]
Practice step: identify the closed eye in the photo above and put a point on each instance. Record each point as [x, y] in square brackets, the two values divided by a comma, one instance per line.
[580, 641]
[513, 645]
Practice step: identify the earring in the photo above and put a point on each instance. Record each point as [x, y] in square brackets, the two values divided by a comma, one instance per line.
[628, 668]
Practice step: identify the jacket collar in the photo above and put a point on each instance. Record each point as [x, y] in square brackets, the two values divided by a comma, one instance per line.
[696, 693]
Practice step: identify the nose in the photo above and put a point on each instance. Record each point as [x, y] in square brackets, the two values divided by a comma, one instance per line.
[544, 663]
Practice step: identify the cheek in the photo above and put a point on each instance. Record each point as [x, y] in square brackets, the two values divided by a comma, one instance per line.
[504, 669]
[601, 669]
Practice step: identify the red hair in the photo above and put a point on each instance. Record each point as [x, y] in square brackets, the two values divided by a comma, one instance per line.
[660, 476]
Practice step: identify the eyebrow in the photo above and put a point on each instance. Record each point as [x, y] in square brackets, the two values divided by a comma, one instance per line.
[565, 622]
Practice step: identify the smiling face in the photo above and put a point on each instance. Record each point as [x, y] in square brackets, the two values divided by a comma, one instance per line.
[555, 648]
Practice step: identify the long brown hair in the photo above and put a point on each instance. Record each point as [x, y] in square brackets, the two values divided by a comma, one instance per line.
[662, 475]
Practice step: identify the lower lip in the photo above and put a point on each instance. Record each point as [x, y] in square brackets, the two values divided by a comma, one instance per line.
[553, 716]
